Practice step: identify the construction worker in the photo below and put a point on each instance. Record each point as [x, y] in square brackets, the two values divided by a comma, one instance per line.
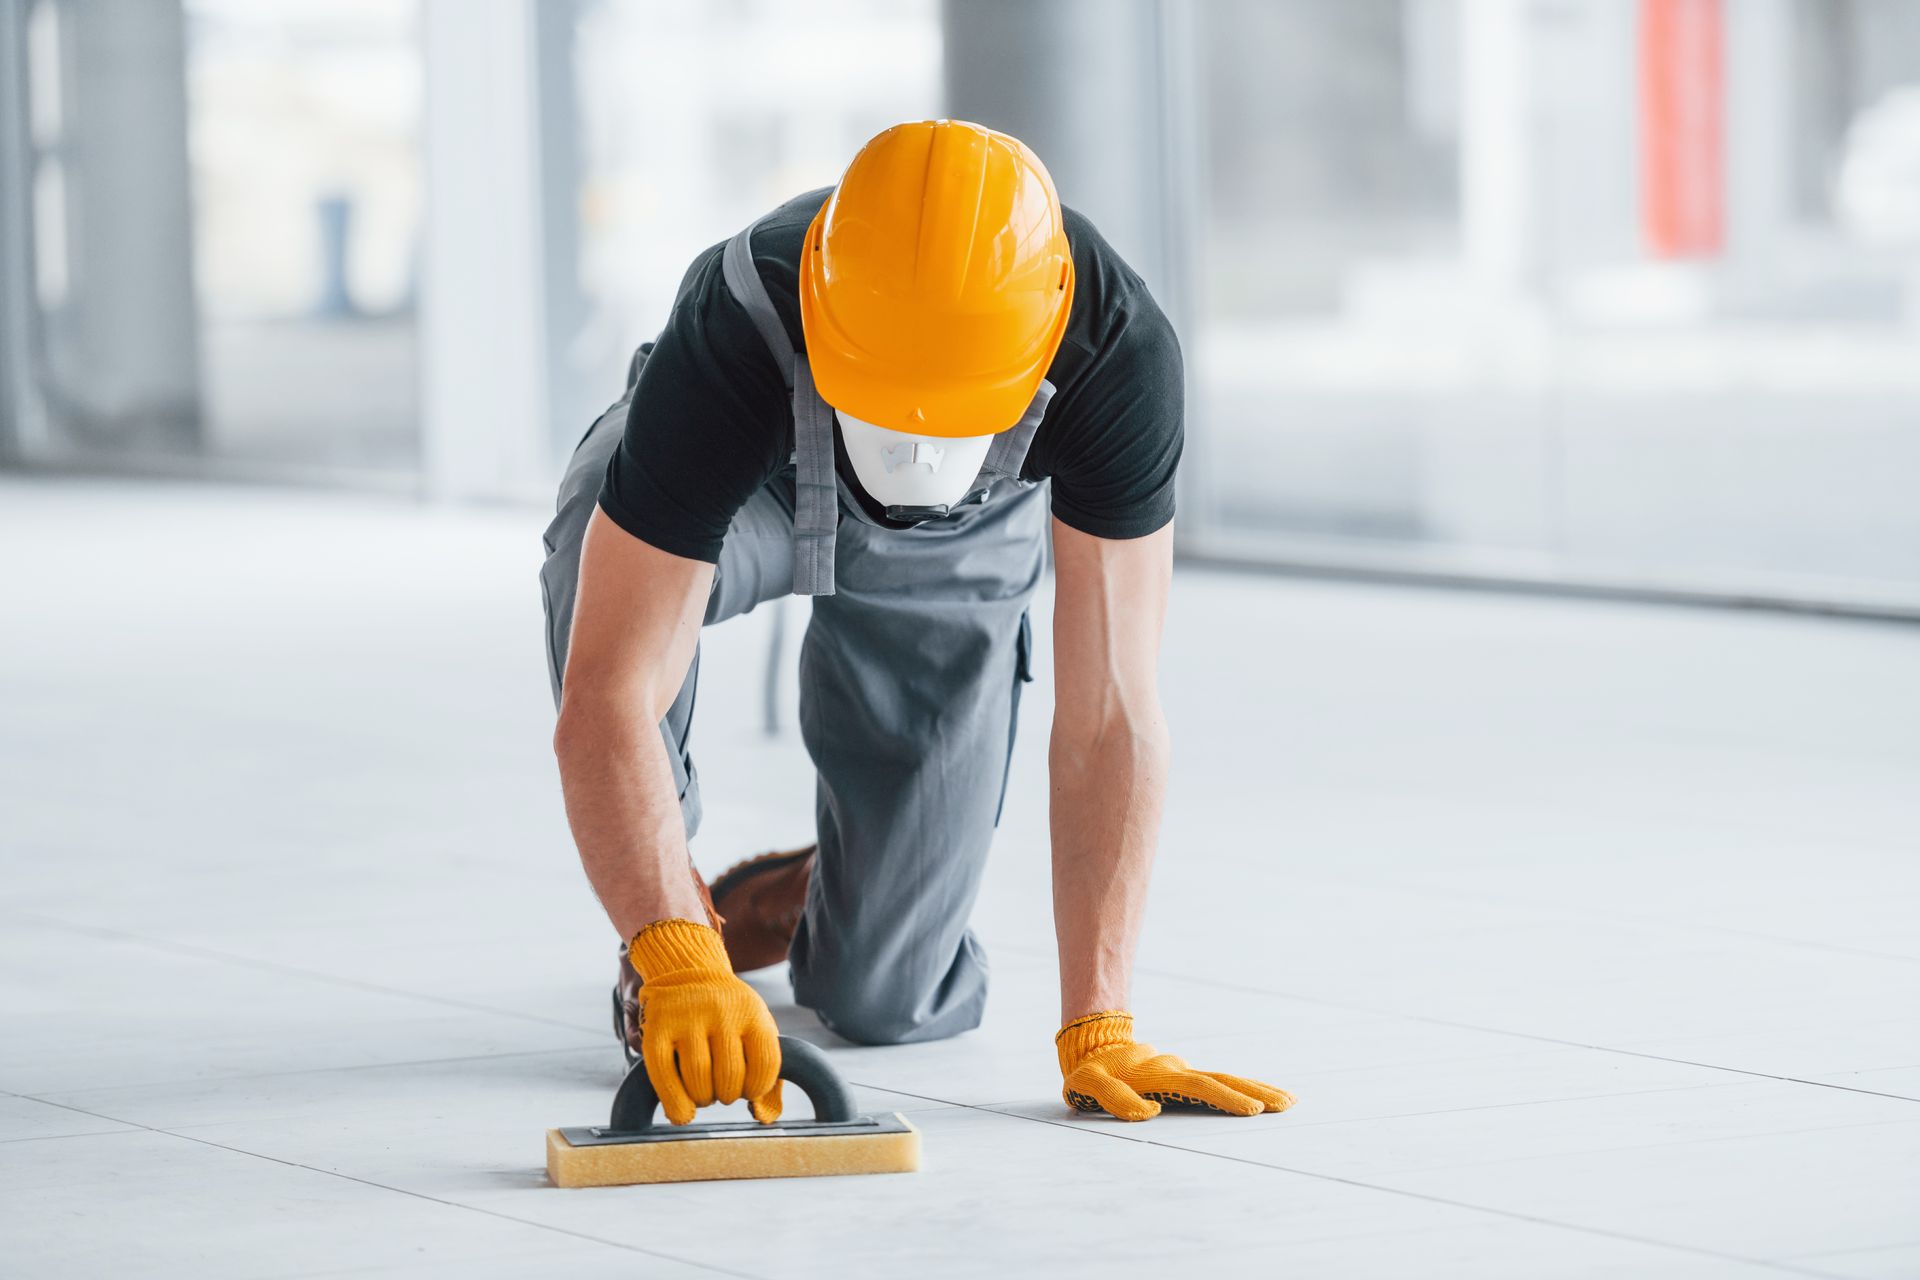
[861, 398]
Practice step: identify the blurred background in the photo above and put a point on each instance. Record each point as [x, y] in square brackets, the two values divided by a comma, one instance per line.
[1583, 293]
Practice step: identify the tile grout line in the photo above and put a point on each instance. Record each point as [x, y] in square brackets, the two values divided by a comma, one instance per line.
[315, 1071]
[1504, 1106]
[1654, 1146]
[1584, 1097]
[1759, 1075]
[1000, 1108]
[999, 1105]
[53, 1137]
[1395, 1191]
[274, 966]
[1872, 1248]
[136, 1127]
[1507, 1213]
[1657, 923]
[1517, 1035]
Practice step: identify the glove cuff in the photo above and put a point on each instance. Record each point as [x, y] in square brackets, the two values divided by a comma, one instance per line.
[669, 945]
[1093, 1031]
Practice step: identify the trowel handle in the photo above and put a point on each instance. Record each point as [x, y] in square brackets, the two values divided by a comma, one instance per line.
[800, 1063]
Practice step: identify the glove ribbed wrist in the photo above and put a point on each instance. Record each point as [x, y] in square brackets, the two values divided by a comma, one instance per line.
[669, 946]
[1089, 1033]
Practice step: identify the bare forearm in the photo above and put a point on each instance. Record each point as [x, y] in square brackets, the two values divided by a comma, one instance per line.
[625, 815]
[1108, 791]
[1109, 755]
[636, 623]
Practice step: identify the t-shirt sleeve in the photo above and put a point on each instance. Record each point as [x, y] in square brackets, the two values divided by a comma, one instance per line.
[1115, 447]
[706, 428]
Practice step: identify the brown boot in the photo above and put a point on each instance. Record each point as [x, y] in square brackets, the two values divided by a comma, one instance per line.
[626, 1009]
[760, 902]
[626, 988]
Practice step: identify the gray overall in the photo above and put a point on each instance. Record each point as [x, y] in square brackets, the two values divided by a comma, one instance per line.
[910, 678]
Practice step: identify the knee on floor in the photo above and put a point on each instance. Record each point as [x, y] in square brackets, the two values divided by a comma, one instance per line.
[880, 1018]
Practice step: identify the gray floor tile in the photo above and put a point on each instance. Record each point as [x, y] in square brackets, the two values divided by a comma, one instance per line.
[1488, 1251]
[100, 1011]
[146, 1204]
[1771, 1195]
[1500, 1134]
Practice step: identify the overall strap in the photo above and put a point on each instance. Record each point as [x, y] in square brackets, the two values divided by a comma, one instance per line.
[1009, 451]
[816, 494]
[816, 490]
[750, 291]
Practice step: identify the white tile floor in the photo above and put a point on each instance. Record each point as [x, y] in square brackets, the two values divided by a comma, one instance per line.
[1586, 934]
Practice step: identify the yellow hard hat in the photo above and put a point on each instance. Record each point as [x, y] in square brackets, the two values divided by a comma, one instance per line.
[935, 283]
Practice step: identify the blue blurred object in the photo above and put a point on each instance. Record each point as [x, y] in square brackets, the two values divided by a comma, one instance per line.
[336, 225]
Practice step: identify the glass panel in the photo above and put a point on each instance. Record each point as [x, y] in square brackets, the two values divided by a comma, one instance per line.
[1333, 160]
[225, 215]
[1569, 289]
[304, 147]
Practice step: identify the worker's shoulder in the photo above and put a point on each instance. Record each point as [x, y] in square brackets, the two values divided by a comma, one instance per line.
[1112, 307]
[1092, 251]
[776, 243]
[778, 235]
[1084, 236]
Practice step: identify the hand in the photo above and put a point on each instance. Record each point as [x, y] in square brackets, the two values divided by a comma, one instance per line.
[705, 1036]
[1105, 1070]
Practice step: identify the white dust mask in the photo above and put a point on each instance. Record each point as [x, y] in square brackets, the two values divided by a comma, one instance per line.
[921, 476]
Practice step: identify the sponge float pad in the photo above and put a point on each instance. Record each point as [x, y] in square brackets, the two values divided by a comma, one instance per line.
[595, 1158]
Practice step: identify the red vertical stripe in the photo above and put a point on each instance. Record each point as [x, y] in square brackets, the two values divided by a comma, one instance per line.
[1682, 143]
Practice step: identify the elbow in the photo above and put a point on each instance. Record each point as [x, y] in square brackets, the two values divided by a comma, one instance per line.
[1134, 735]
[596, 717]
[582, 729]
[569, 732]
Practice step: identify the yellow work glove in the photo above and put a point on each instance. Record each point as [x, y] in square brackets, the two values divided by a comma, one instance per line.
[1105, 1070]
[705, 1035]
